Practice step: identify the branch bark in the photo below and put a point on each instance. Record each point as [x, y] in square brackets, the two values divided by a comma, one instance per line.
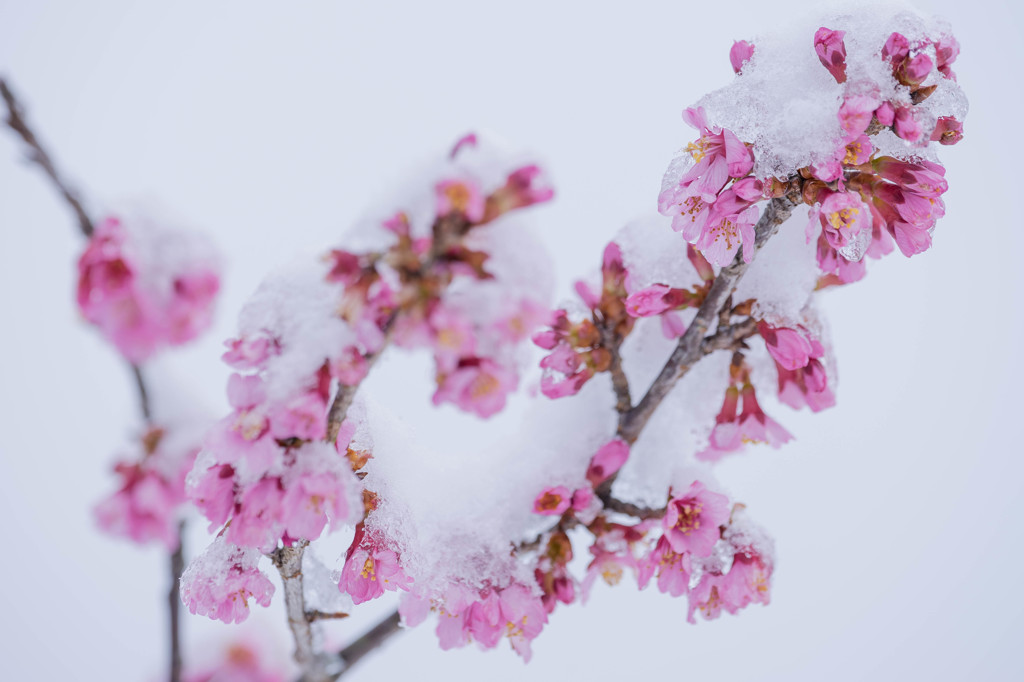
[37, 154]
[288, 561]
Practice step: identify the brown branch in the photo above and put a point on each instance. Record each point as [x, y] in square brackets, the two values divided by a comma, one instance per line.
[729, 337]
[16, 122]
[612, 342]
[374, 638]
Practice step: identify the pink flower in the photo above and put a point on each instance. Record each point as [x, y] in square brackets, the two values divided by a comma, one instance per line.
[843, 216]
[311, 501]
[672, 568]
[462, 197]
[213, 492]
[452, 337]
[947, 131]
[257, 519]
[718, 154]
[789, 347]
[477, 385]
[250, 352]
[907, 69]
[553, 501]
[855, 114]
[648, 301]
[138, 306]
[220, 582]
[831, 50]
[748, 582]
[946, 51]
[607, 461]
[858, 151]
[756, 426]
[144, 509]
[524, 187]
[721, 240]
[740, 54]
[692, 519]
[806, 385]
[303, 417]
[350, 367]
[369, 571]
[885, 113]
[523, 616]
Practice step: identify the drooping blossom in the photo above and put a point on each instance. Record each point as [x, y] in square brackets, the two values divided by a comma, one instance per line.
[947, 131]
[220, 582]
[371, 569]
[672, 568]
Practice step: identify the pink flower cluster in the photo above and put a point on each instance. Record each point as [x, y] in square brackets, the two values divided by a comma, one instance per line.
[713, 203]
[141, 304]
[147, 506]
[404, 288]
[485, 616]
[700, 537]
[863, 202]
[220, 582]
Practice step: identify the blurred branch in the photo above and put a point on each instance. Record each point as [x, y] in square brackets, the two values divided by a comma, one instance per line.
[374, 638]
[16, 122]
[174, 604]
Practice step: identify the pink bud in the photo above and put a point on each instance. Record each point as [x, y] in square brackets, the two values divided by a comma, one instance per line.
[832, 52]
[608, 460]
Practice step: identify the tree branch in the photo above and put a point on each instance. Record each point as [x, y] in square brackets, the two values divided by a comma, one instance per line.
[174, 604]
[612, 342]
[16, 122]
[288, 561]
[379, 634]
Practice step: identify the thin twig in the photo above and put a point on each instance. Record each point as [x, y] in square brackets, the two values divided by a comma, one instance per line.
[323, 615]
[379, 634]
[16, 121]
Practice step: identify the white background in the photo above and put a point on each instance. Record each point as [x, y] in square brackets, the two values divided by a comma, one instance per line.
[896, 515]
